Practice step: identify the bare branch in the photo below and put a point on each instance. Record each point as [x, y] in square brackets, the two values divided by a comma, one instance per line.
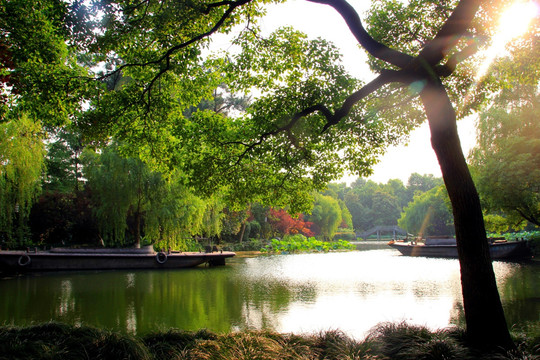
[375, 48]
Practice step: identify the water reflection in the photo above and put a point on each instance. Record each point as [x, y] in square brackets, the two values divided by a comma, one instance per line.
[350, 291]
[290, 293]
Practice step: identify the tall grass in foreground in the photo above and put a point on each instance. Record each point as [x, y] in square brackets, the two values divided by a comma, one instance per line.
[386, 341]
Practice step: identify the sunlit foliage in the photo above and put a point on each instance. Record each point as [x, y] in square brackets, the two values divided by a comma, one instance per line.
[21, 165]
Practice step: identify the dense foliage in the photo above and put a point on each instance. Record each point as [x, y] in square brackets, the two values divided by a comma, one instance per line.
[428, 214]
[507, 158]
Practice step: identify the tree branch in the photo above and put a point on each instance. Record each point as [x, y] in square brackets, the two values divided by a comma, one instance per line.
[524, 215]
[372, 46]
[450, 66]
[166, 56]
[386, 77]
[450, 33]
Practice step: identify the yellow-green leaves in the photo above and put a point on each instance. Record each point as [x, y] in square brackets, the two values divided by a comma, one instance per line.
[21, 165]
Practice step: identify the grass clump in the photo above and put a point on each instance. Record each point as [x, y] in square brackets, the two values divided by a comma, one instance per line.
[388, 341]
[402, 341]
[60, 341]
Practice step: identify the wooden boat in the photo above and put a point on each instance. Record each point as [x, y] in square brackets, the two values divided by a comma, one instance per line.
[445, 247]
[61, 259]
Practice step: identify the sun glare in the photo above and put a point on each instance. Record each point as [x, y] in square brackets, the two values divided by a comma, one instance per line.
[513, 23]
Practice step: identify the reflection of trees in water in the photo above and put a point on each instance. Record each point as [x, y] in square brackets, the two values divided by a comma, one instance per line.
[520, 292]
[139, 302]
[190, 300]
[519, 286]
[263, 298]
[257, 294]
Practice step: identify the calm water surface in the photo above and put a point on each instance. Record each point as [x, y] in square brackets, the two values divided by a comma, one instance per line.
[303, 293]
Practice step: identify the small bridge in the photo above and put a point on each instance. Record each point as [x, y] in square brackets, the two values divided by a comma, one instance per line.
[394, 229]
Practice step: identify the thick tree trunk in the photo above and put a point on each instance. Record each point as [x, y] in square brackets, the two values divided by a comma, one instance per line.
[484, 316]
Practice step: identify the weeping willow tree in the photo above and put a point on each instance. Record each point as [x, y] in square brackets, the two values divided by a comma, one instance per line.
[213, 216]
[21, 165]
[122, 189]
[176, 214]
[133, 202]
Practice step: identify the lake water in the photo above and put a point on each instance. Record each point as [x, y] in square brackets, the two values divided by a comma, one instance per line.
[304, 293]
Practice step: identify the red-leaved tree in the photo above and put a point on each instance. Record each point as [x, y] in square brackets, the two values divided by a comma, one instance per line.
[283, 223]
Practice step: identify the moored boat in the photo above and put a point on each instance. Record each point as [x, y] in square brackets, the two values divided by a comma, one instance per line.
[105, 259]
[445, 247]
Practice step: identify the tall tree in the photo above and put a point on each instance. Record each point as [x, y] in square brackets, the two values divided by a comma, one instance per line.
[423, 64]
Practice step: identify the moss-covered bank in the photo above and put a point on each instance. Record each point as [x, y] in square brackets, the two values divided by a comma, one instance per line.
[387, 341]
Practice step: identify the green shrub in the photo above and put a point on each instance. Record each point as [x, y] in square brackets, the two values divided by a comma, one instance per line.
[248, 245]
[345, 235]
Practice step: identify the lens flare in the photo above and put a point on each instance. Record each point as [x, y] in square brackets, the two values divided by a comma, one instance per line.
[513, 23]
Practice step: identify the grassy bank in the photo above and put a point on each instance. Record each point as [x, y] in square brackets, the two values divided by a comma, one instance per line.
[387, 341]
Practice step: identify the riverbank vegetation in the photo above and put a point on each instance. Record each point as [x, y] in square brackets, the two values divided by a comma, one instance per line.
[386, 341]
[299, 243]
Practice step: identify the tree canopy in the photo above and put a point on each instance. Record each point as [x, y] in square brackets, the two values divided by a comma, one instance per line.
[428, 214]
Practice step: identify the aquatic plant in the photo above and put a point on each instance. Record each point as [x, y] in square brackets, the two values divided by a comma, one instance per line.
[299, 243]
